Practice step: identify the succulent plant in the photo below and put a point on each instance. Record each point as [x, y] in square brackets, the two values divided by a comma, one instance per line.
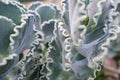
[43, 42]
[84, 33]
[27, 30]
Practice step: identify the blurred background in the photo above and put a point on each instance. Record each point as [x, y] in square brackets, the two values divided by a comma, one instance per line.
[27, 2]
[111, 67]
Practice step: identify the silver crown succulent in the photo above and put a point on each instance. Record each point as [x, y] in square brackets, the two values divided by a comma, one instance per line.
[60, 44]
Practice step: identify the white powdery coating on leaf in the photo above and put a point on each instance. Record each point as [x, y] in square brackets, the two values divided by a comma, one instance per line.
[23, 22]
[77, 16]
[66, 52]
[114, 30]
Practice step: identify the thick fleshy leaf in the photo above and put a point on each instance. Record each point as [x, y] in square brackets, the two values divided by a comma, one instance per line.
[96, 36]
[49, 28]
[21, 6]
[81, 69]
[77, 14]
[90, 45]
[99, 15]
[66, 14]
[46, 12]
[32, 66]
[58, 12]
[64, 40]
[11, 11]
[93, 17]
[7, 64]
[56, 66]
[25, 34]
[105, 11]
[94, 13]
[21, 41]
[89, 50]
[6, 29]
[34, 5]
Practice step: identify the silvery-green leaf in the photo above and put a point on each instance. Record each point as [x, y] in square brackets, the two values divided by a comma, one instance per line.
[34, 5]
[11, 11]
[31, 65]
[99, 16]
[25, 33]
[37, 4]
[97, 8]
[21, 41]
[6, 29]
[46, 12]
[64, 40]
[87, 50]
[7, 64]
[21, 6]
[55, 67]
[81, 69]
[73, 21]
[77, 14]
[66, 14]
[95, 37]
[105, 11]
[71, 7]
[49, 28]
[58, 12]
[69, 4]
[90, 45]
[95, 34]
